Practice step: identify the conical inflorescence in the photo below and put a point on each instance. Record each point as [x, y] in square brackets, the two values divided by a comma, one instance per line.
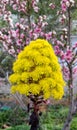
[37, 71]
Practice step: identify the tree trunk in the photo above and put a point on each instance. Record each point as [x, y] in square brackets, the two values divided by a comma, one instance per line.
[71, 111]
[34, 121]
[68, 120]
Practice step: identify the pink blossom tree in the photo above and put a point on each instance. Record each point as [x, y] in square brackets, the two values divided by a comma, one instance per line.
[68, 56]
[31, 23]
[28, 25]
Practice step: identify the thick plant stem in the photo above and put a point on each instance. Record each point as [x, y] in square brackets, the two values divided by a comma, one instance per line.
[34, 118]
[34, 121]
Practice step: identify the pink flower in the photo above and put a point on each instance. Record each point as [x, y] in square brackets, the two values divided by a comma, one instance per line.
[52, 6]
[42, 34]
[57, 50]
[17, 33]
[31, 33]
[35, 35]
[13, 33]
[61, 20]
[76, 44]
[48, 35]
[18, 50]
[14, 7]
[17, 24]
[27, 41]
[5, 37]
[44, 24]
[22, 36]
[64, 7]
[64, 1]
[66, 72]
[62, 55]
[34, 5]
[19, 41]
[75, 70]
[68, 55]
[33, 25]
[36, 9]
[37, 30]
[71, 86]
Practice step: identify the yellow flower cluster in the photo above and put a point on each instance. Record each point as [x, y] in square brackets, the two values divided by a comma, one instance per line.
[37, 71]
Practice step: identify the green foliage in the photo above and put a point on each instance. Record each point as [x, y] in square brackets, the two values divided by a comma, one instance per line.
[74, 11]
[74, 15]
[52, 119]
[74, 124]
[2, 23]
[20, 127]
[51, 127]
[55, 116]
[12, 117]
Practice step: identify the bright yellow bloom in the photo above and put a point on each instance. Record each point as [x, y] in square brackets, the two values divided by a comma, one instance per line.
[37, 71]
